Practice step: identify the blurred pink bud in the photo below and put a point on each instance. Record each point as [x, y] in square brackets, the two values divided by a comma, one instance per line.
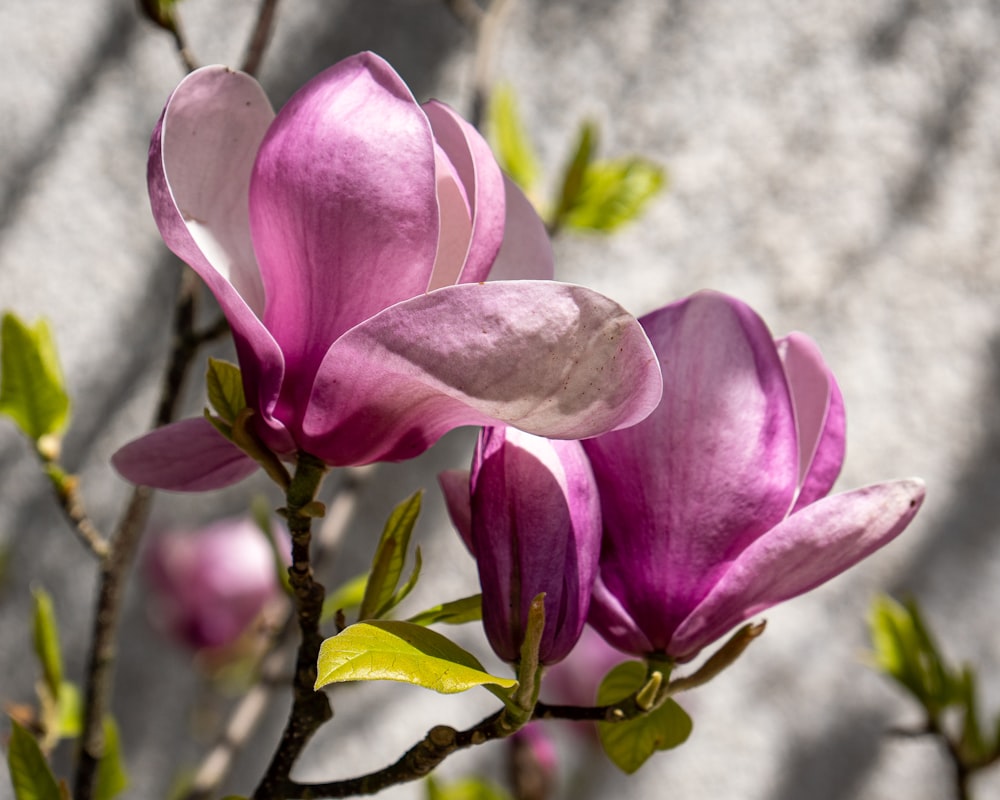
[210, 584]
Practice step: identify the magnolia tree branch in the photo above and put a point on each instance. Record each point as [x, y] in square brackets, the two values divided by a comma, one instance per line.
[310, 709]
[488, 33]
[246, 715]
[121, 552]
[67, 490]
[261, 36]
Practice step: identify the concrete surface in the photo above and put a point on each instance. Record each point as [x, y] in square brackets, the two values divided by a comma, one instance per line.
[835, 164]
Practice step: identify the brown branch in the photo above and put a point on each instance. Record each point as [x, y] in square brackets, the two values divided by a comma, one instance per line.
[115, 565]
[245, 717]
[261, 36]
[67, 491]
[310, 709]
[488, 34]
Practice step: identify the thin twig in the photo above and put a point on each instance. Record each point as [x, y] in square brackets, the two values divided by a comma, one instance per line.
[482, 76]
[261, 36]
[67, 491]
[115, 565]
[466, 11]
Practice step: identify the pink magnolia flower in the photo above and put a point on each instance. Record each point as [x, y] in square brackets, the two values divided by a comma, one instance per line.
[347, 240]
[529, 513]
[715, 506]
[210, 584]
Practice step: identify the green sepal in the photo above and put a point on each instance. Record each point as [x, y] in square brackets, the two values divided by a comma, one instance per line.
[112, 779]
[510, 141]
[69, 722]
[346, 597]
[613, 193]
[46, 640]
[225, 389]
[390, 650]
[468, 609]
[32, 392]
[464, 789]
[30, 773]
[161, 12]
[390, 555]
[630, 743]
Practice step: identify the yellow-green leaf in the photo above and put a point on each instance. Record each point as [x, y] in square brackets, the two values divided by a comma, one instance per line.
[465, 789]
[345, 597]
[225, 389]
[468, 609]
[70, 710]
[111, 776]
[613, 193]
[574, 174]
[46, 637]
[31, 385]
[510, 141]
[29, 771]
[628, 744]
[387, 565]
[387, 650]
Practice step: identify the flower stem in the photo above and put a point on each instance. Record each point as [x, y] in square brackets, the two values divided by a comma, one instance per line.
[310, 709]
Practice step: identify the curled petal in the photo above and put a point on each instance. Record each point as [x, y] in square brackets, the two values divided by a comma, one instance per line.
[200, 159]
[526, 252]
[819, 416]
[710, 470]
[483, 185]
[455, 487]
[806, 550]
[613, 622]
[343, 209]
[185, 456]
[549, 358]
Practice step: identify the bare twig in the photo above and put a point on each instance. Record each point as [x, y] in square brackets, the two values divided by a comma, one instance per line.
[67, 490]
[116, 563]
[488, 34]
[466, 11]
[261, 36]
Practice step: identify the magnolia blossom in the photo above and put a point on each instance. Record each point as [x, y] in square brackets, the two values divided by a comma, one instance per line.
[210, 584]
[347, 240]
[715, 506]
[529, 513]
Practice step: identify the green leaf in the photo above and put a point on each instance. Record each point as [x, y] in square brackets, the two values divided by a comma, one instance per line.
[387, 650]
[628, 744]
[468, 609]
[574, 173]
[510, 141]
[70, 708]
[260, 510]
[346, 597]
[31, 385]
[225, 389]
[46, 637]
[613, 193]
[160, 12]
[111, 776]
[406, 588]
[387, 565]
[466, 789]
[29, 771]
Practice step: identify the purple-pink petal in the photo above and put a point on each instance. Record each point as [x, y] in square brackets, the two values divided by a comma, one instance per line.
[710, 470]
[819, 416]
[455, 488]
[185, 456]
[549, 358]
[526, 251]
[201, 155]
[483, 186]
[343, 211]
[808, 549]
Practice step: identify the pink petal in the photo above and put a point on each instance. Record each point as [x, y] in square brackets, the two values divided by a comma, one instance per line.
[819, 416]
[808, 549]
[709, 471]
[483, 183]
[613, 622]
[548, 358]
[200, 160]
[185, 456]
[343, 209]
[456, 224]
[455, 487]
[526, 252]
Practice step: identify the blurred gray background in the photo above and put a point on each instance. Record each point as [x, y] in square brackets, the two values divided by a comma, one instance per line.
[835, 164]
